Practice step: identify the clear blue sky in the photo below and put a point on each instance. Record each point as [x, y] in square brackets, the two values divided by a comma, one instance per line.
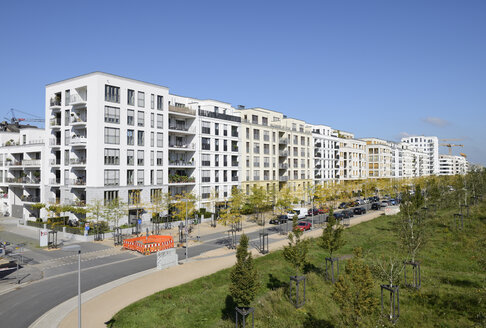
[375, 68]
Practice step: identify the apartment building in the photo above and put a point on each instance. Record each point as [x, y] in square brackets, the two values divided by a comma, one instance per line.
[277, 151]
[379, 157]
[111, 136]
[452, 165]
[407, 161]
[352, 157]
[21, 155]
[326, 154]
[429, 145]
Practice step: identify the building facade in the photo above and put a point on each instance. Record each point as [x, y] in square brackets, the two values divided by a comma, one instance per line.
[428, 145]
[326, 154]
[379, 157]
[352, 157]
[452, 165]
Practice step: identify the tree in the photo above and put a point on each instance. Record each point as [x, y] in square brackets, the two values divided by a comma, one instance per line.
[258, 201]
[96, 210]
[296, 251]
[243, 276]
[232, 214]
[114, 211]
[159, 203]
[332, 236]
[285, 199]
[185, 205]
[353, 293]
[388, 268]
[411, 229]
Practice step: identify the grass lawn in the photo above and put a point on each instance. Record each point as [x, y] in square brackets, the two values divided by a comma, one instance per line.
[453, 292]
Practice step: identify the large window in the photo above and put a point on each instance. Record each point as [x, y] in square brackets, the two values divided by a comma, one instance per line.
[110, 195]
[130, 157]
[140, 181]
[141, 99]
[112, 114]
[131, 97]
[152, 137]
[152, 101]
[206, 144]
[152, 120]
[112, 156]
[112, 136]
[129, 181]
[140, 138]
[160, 123]
[206, 176]
[130, 117]
[112, 177]
[112, 94]
[160, 102]
[205, 193]
[160, 140]
[159, 158]
[205, 160]
[140, 118]
[130, 139]
[159, 177]
[206, 127]
[140, 157]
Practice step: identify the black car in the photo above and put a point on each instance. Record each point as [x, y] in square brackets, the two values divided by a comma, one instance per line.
[343, 205]
[279, 219]
[375, 206]
[359, 210]
[348, 213]
[339, 215]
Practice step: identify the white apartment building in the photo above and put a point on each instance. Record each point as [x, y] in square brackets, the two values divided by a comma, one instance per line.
[21, 156]
[276, 151]
[429, 145]
[326, 154]
[408, 162]
[452, 165]
[111, 136]
[352, 157]
[379, 158]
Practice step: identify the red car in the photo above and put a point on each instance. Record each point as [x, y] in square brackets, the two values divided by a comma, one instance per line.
[303, 226]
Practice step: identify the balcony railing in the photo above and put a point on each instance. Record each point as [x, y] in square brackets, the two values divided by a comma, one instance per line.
[30, 199]
[76, 99]
[53, 200]
[12, 163]
[174, 178]
[77, 161]
[54, 122]
[55, 181]
[54, 161]
[55, 102]
[283, 179]
[77, 182]
[78, 140]
[182, 110]
[181, 163]
[283, 141]
[182, 146]
[77, 120]
[283, 166]
[283, 153]
[219, 115]
[24, 180]
[31, 162]
[55, 142]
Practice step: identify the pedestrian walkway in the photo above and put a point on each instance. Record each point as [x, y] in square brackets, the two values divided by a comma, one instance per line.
[101, 303]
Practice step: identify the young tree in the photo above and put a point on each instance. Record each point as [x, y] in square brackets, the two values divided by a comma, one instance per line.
[296, 251]
[285, 199]
[232, 214]
[388, 268]
[353, 293]
[243, 276]
[411, 229]
[185, 204]
[332, 238]
[258, 201]
[96, 210]
[114, 211]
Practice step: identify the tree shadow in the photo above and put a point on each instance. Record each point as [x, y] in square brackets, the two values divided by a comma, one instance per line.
[228, 312]
[110, 323]
[274, 282]
[312, 322]
[460, 282]
[310, 267]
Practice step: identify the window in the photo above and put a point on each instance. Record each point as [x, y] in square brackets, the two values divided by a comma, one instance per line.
[112, 177]
[112, 114]
[152, 139]
[152, 155]
[225, 145]
[266, 136]
[131, 97]
[256, 134]
[152, 120]
[66, 117]
[152, 101]
[234, 131]
[205, 193]
[141, 99]
[205, 143]
[205, 176]
[140, 118]
[67, 97]
[216, 144]
[160, 140]
[140, 138]
[130, 157]
[130, 140]
[160, 121]
[256, 161]
[256, 148]
[216, 129]
[129, 179]
[112, 156]
[140, 177]
[130, 117]
[266, 161]
[216, 160]
[266, 149]
[112, 94]
[140, 159]
[110, 195]
[160, 102]
[159, 158]
[112, 136]
[206, 127]
[159, 177]
[206, 160]
[264, 121]
[254, 119]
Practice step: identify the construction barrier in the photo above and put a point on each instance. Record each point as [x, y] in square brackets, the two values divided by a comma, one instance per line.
[149, 244]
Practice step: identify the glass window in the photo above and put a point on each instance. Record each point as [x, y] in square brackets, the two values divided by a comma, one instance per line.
[140, 118]
[159, 121]
[159, 158]
[112, 114]
[131, 97]
[140, 157]
[160, 140]
[152, 120]
[130, 117]
[206, 160]
[140, 177]
[112, 156]
[130, 139]
[159, 177]
[160, 102]
[112, 94]
[112, 136]
[152, 139]
[140, 138]
[141, 99]
[205, 144]
[129, 180]
[112, 177]
[152, 101]
[206, 127]
[130, 157]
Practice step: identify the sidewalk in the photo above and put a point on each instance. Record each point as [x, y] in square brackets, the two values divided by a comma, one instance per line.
[118, 294]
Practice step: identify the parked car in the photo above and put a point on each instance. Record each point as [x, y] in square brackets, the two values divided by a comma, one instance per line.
[279, 219]
[343, 205]
[384, 203]
[393, 202]
[325, 209]
[375, 206]
[359, 210]
[348, 213]
[303, 226]
[301, 213]
[339, 216]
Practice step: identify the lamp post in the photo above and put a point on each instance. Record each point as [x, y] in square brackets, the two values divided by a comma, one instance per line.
[77, 248]
[187, 234]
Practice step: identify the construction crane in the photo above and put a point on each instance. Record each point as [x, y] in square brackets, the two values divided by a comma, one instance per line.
[463, 155]
[450, 147]
[454, 139]
[29, 118]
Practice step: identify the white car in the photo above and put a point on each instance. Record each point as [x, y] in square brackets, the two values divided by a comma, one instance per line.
[301, 213]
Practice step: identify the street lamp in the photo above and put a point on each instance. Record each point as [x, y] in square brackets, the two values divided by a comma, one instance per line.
[77, 248]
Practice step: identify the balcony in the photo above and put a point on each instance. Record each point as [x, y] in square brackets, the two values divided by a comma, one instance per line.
[9, 162]
[76, 100]
[234, 179]
[77, 182]
[181, 163]
[77, 161]
[53, 200]
[283, 179]
[181, 179]
[79, 141]
[283, 166]
[31, 162]
[55, 102]
[181, 146]
[182, 110]
[283, 153]
[318, 145]
[55, 123]
[56, 181]
[30, 199]
[75, 120]
[24, 180]
[181, 128]
[55, 142]
[319, 155]
[54, 162]
[283, 141]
